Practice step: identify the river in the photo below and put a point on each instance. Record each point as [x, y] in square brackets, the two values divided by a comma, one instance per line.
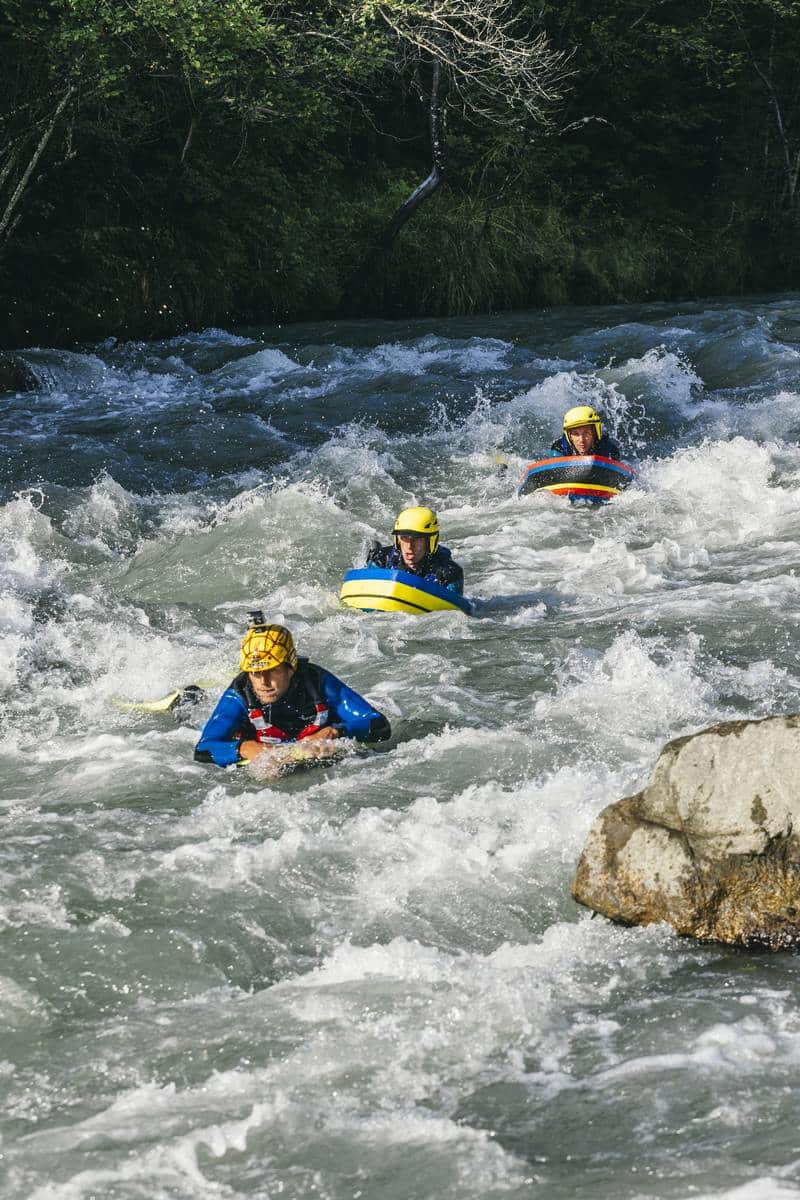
[370, 982]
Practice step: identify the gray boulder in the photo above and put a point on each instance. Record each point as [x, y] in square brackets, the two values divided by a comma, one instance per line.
[16, 375]
[712, 843]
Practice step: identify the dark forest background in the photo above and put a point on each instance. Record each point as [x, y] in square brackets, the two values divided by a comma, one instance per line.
[199, 162]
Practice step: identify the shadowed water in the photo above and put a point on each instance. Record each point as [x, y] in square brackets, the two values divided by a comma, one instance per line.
[369, 982]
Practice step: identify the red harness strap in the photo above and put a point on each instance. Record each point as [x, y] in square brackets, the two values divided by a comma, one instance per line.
[271, 735]
[320, 720]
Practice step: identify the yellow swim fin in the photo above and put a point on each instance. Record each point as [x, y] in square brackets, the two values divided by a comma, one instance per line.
[191, 694]
[165, 704]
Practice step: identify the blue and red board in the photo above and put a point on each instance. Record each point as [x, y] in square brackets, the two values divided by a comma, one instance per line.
[578, 476]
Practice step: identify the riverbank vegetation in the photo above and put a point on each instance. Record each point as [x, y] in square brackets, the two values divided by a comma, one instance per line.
[195, 162]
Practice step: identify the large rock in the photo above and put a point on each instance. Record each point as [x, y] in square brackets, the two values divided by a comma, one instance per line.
[16, 375]
[712, 844]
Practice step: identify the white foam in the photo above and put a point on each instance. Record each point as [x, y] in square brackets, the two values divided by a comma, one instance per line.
[20, 1007]
[766, 1187]
[664, 374]
[105, 518]
[254, 371]
[466, 356]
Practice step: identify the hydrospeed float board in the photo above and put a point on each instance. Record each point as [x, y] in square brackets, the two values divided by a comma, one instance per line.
[276, 761]
[584, 477]
[378, 589]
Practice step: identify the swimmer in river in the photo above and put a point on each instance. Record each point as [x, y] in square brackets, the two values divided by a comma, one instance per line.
[416, 549]
[279, 698]
[582, 433]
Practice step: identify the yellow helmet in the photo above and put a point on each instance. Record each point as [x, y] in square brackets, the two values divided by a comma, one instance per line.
[417, 522]
[265, 647]
[582, 415]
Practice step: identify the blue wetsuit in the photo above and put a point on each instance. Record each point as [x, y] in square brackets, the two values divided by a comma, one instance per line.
[439, 567]
[314, 697]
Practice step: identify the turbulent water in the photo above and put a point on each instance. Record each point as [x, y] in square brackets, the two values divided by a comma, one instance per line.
[370, 982]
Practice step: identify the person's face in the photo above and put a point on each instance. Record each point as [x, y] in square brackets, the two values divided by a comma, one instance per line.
[270, 685]
[413, 548]
[582, 438]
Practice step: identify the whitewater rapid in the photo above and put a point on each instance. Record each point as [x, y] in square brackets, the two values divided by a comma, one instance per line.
[371, 981]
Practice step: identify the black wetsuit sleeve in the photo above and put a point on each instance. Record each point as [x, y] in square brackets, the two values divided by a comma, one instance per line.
[452, 577]
[379, 556]
[446, 572]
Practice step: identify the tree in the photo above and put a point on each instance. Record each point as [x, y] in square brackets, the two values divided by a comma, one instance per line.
[766, 28]
[129, 65]
[473, 56]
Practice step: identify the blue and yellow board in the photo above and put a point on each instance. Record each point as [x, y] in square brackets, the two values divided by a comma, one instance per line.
[376, 589]
[580, 477]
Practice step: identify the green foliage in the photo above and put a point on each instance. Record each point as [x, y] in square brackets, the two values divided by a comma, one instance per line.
[235, 160]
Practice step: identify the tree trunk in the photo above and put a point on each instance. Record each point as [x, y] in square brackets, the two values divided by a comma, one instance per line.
[5, 221]
[790, 167]
[431, 183]
[359, 281]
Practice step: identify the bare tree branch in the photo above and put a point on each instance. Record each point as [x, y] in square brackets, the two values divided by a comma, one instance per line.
[6, 227]
[188, 141]
[498, 74]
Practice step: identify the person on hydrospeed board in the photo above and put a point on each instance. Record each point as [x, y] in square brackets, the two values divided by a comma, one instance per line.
[278, 698]
[583, 434]
[416, 549]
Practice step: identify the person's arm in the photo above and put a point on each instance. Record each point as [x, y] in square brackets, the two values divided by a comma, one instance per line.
[354, 716]
[455, 579]
[218, 740]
